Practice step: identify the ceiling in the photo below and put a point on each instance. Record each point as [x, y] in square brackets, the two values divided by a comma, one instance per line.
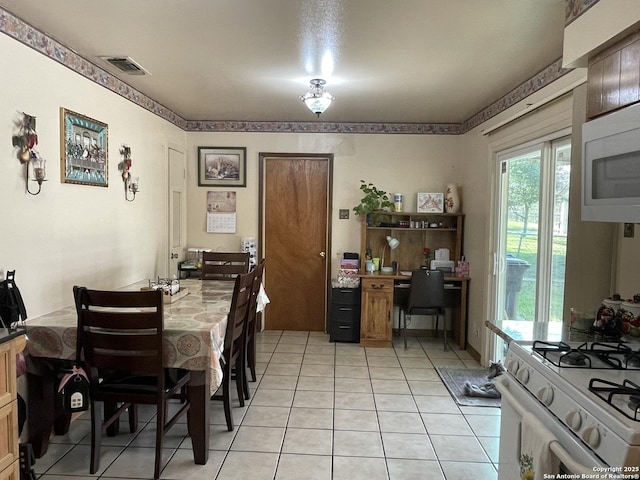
[404, 61]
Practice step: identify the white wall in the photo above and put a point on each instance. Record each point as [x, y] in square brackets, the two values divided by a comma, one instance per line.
[77, 234]
[627, 282]
[395, 163]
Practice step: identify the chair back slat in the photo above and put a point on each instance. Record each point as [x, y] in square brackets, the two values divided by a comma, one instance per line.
[224, 265]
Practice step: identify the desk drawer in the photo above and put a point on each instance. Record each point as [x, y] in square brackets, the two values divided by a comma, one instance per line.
[345, 296]
[345, 313]
[344, 332]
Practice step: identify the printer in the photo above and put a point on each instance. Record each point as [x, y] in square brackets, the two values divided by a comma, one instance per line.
[442, 262]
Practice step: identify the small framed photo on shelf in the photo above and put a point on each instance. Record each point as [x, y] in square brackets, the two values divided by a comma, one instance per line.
[430, 203]
[222, 167]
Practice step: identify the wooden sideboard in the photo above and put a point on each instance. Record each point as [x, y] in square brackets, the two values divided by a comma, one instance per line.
[11, 344]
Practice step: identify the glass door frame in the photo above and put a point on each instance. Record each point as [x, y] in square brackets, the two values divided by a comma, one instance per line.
[496, 285]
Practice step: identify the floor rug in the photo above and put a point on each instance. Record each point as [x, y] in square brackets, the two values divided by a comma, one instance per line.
[455, 378]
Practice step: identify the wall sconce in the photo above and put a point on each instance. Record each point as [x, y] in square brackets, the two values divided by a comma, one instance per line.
[39, 173]
[131, 184]
[24, 139]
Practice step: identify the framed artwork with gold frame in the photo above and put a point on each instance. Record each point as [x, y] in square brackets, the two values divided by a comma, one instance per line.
[84, 149]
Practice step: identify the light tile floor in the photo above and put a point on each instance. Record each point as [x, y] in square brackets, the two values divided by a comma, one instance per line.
[319, 411]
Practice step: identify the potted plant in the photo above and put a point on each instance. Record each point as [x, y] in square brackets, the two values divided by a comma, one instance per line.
[373, 204]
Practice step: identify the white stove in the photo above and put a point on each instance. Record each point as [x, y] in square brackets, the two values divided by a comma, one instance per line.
[584, 393]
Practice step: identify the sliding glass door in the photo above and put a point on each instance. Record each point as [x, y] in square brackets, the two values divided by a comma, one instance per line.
[530, 238]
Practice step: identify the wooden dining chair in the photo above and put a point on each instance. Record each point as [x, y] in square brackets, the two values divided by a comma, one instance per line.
[250, 344]
[120, 340]
[234, 344]
[426, 297]
[224, 265]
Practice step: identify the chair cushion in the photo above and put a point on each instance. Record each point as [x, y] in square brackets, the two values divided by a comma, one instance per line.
[143, 383]
[424, 311]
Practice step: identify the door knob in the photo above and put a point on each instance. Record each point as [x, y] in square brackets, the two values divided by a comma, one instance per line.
[322, 254]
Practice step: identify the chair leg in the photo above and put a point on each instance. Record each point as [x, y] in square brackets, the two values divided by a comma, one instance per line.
[251, 355]
[226, 399]
[109, 409]
[160, 422]
[444, 332]
[133, 418]
[96, 435]
[245, 380]
[240, 374]
[404, 330]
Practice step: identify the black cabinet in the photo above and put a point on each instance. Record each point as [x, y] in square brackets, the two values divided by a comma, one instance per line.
[345, 315]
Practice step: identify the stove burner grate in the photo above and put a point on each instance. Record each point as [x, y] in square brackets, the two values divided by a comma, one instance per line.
[617, 356]
[610, 391]
[561, 354]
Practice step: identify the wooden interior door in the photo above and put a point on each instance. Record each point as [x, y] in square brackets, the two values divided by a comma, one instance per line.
[295, 202]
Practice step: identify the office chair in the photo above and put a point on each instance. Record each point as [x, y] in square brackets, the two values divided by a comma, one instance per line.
[426, 297]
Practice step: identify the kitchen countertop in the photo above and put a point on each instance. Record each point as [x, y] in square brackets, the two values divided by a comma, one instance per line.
[7, 334]
[525, 332]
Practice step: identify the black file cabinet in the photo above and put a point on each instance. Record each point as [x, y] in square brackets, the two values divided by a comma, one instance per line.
[345, 315]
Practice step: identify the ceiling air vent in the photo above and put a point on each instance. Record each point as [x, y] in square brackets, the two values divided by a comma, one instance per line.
[126, 65]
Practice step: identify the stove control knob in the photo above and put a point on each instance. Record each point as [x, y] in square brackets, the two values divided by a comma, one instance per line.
[523, 375]
[574, 420]
[545, 395]
[591, 435]
[512, 366]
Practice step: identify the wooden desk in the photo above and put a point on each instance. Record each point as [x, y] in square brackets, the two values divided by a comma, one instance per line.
[376, 314]
[194, 329]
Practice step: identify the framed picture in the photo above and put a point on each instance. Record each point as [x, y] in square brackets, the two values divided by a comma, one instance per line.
[430, 203]
[84, 155]
[222, 166]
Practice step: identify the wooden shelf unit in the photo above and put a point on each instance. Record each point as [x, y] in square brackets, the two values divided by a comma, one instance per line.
[376, 316]
[410, 252]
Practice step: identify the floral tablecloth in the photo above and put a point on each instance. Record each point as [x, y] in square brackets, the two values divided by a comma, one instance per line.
[194, 328]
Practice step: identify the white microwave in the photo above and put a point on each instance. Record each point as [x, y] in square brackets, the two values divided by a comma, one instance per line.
[611, 167]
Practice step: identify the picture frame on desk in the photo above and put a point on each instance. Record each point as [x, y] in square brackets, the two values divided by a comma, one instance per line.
[430, 203]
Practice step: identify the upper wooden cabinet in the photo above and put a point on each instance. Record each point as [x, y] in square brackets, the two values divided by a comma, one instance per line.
[447, 233]
[613, 77]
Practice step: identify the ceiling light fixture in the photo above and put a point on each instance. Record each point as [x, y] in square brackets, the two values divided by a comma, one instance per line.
[317, 99]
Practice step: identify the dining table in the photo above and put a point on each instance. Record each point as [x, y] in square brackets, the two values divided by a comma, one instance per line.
[195, 320]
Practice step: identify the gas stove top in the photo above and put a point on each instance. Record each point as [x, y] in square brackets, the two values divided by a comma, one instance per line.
[588, 386]
[624, 397]
[593, 355]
